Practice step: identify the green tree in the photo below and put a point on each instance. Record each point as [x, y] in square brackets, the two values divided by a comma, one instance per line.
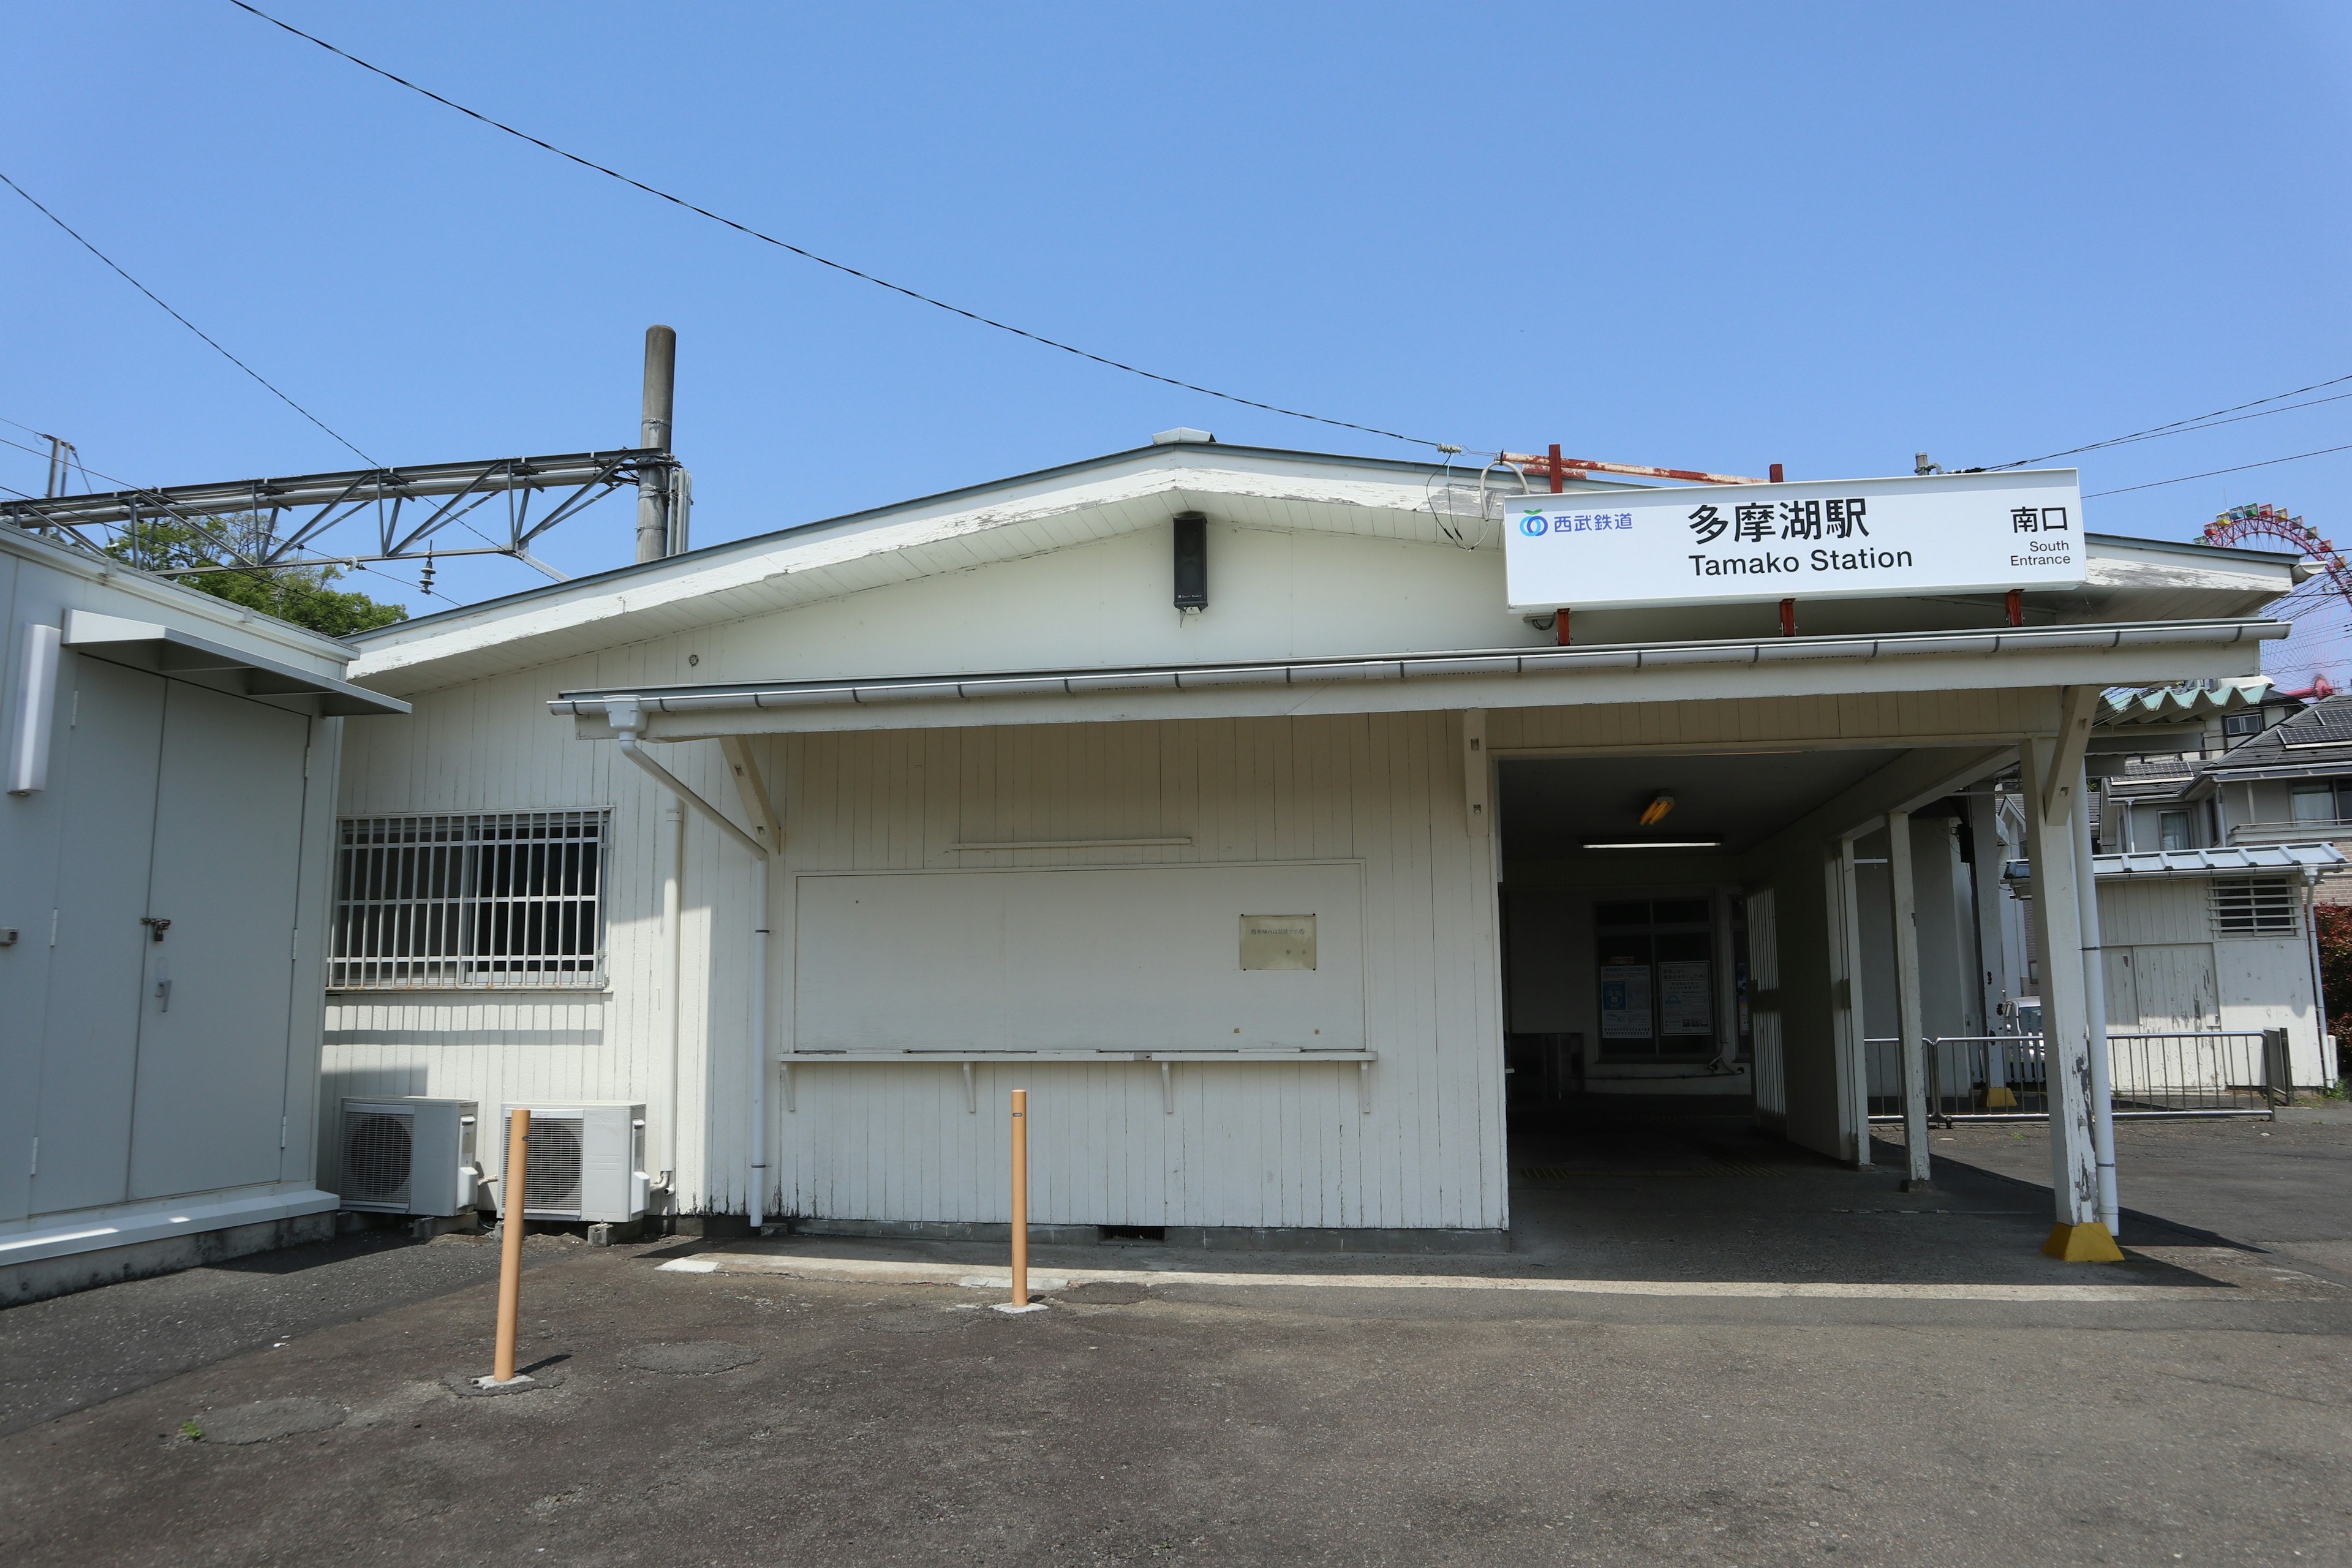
[2333, 922]
[296, 594]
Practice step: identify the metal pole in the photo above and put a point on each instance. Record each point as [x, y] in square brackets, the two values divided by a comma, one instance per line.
[1020, 1197]
[759, 1042]
[2328, 1073]
[511, 1254]
[653, 483]
[2094, 1009]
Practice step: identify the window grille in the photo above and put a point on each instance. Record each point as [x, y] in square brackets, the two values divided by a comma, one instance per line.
[508, 898]
[2253, 907]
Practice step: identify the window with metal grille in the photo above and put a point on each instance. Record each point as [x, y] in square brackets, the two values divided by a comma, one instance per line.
[505, 899]
[2254, 906]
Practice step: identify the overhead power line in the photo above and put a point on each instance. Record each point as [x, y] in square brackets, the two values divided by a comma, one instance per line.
[184, 320]
[2186, 427]
[2239, 469]
[747, 230]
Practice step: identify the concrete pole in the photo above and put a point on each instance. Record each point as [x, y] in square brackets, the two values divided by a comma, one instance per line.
[2065, 1030]
[2095, 1011]
[653, 486]
[1910, 1047]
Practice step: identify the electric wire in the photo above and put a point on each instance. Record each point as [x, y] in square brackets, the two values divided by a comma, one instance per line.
[184, 320]
[87, 471]
[747, 230]
[2177, 426]
[2210, 473]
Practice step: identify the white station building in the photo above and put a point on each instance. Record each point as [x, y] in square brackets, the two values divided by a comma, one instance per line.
[1251, 809]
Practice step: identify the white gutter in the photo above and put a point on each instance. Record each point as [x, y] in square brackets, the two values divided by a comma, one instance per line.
[1417, 666]
[628, 719]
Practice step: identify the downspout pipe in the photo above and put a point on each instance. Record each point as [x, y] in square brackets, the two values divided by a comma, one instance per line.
[627, 719]
[2095, 1008]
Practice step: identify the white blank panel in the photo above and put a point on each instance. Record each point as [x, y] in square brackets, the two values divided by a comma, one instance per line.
[1129, 958]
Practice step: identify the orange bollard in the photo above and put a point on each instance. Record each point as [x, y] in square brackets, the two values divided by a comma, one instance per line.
[510, 1191]
[1020, 1197]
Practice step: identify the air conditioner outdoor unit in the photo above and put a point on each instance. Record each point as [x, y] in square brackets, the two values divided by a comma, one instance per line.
[587, 1160]
[408, 1154]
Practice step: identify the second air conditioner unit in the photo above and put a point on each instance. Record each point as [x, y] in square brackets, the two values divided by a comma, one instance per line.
[586, 1162]
[408, 1154]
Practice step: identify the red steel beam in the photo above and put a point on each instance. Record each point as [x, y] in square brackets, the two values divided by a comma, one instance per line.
[1569, 468]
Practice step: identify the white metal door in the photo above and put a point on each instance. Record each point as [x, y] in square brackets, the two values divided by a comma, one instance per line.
[90, 1046]
[218, 992]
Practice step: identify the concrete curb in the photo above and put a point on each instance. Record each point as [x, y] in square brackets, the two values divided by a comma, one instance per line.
[862, 1271]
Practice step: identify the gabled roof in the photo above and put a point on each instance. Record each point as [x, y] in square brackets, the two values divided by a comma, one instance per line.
[2317, 740]
[1077, 503]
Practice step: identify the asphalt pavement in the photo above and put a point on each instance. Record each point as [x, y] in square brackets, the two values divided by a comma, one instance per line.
[1933, 1400]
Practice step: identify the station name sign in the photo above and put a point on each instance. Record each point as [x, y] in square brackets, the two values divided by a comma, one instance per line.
[1712, 544]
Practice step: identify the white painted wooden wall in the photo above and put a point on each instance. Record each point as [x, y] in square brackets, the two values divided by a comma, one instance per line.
[2167, 969]
[1248, 1145]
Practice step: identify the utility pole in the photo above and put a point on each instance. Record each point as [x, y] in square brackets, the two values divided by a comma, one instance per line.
[61, 455]
[654, 483]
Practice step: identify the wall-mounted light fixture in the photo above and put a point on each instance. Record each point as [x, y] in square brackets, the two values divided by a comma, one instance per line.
[1656, 844]
[1191, 560]
[1655, 812]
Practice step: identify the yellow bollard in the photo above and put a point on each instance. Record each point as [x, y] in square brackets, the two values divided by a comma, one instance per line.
[510, 1192]
[1020, 1197]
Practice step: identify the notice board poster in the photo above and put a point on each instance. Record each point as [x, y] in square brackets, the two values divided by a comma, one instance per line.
[1625, 1012]
[1684, 1003]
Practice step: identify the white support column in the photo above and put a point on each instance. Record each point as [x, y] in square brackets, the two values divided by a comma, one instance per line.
[2095, 1011]
[1850, 1018]
[1910, 1046]
[1992, 944]
[1726, 981]
[2049, 802]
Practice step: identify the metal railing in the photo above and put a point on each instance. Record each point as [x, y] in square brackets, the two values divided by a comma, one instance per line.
[2005, 1077]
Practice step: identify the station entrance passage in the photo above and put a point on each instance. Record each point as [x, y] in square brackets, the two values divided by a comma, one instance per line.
[1643, 945]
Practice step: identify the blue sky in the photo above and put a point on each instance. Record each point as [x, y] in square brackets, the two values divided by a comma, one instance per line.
[1703, 235]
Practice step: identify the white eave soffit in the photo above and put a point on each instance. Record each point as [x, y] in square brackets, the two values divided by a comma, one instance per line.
[168, 650]
[1479, 663]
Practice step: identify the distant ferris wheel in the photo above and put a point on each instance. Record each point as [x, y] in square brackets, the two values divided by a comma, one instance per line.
[2262, 520]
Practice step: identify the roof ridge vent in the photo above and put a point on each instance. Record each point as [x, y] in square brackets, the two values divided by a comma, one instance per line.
[1183, 435]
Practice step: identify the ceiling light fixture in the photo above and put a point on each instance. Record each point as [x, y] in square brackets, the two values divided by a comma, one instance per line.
[1655, 812]
[1657, 844]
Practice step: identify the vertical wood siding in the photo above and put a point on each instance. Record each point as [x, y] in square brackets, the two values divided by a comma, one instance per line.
[1254, 1145]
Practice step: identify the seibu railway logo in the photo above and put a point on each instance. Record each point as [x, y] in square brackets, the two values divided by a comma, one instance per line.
[1536, 522]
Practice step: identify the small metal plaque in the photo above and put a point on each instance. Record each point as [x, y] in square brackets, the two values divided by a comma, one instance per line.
[1277, 942]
